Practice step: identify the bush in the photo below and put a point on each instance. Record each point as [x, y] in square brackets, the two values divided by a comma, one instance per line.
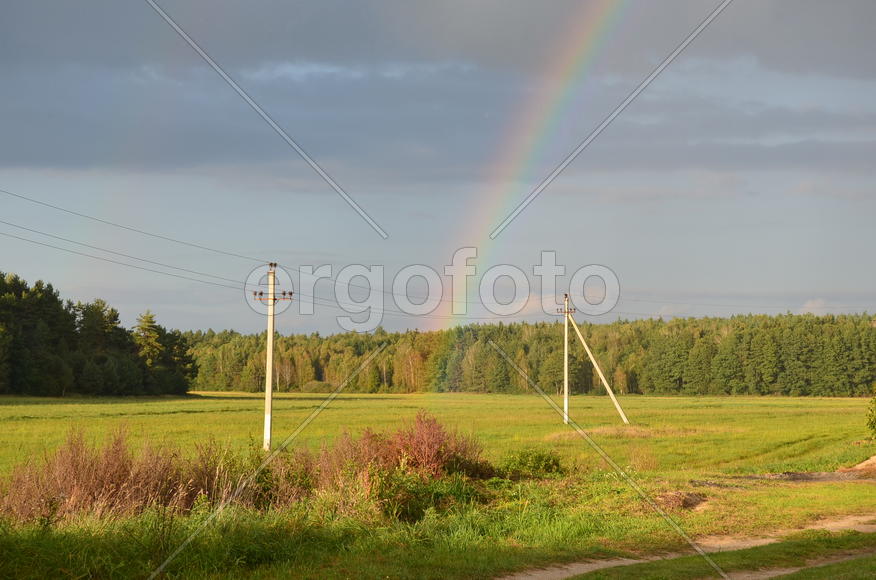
[400, 474]
[427, 447]
[407, 497]
[532, 463]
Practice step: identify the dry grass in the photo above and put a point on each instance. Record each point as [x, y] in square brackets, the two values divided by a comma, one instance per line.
[352, 475]
[113, 481]
[641, 458]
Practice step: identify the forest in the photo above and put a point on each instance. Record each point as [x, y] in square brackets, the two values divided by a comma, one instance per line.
[53, 347]
[788, 354]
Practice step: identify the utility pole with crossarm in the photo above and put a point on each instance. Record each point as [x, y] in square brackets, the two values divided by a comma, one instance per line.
[565, 312]
[270, 300]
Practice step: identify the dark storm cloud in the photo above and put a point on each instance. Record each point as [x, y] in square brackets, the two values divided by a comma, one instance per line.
[411, 92]
[87, 116]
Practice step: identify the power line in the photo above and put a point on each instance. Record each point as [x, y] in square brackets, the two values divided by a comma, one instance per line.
[190, 244]
[117, 262]
[334, 279]
[318, 300]
[321, 301]
[118, 253]
[132, 229]
[171, 239]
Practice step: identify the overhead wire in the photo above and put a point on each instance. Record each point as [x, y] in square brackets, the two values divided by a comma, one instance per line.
[129, 256]
[334, 279]
[87, 255]
[242, 285]
[131, 228]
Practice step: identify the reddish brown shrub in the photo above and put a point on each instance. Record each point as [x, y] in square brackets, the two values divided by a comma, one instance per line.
[78, 478]
[112, 481]
[427, 447]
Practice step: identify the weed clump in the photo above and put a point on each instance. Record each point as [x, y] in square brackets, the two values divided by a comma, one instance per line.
[529, 463]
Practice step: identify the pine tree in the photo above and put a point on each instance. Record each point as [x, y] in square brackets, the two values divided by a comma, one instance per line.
[665, 362]
[147, 336]
[765, 362]
[91, 380]
[698, 367]
[727, 367]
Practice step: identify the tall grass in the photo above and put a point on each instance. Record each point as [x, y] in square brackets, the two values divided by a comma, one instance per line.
[113, 481]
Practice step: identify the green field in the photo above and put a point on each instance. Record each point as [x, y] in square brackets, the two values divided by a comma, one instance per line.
[676, 436]
[702, 445]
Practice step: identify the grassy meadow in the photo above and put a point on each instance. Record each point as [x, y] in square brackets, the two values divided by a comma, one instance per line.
[705, 446]
[670, 435]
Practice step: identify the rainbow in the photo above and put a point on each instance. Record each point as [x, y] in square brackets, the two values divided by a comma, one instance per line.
[538, 118]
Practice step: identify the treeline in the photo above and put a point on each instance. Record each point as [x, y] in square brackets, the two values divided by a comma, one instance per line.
[752, 355]
[52, 347]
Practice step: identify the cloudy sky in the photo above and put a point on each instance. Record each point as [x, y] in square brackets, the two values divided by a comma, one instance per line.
[740, 180]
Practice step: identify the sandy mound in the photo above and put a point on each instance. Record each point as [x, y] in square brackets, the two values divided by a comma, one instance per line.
[867, 468]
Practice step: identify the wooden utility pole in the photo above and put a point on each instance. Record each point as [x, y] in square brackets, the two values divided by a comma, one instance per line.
[271, 301]
[566, 312]
[269, 363]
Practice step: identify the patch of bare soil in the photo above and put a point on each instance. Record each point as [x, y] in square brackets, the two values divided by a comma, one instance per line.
[576, 568]
[865, 524]
[811, 476]
[865, 471]
[859, 523]
[680, 500]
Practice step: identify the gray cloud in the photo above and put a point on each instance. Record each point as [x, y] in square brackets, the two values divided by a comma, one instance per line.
[429, 128]
[791, 35]
[407, 97]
